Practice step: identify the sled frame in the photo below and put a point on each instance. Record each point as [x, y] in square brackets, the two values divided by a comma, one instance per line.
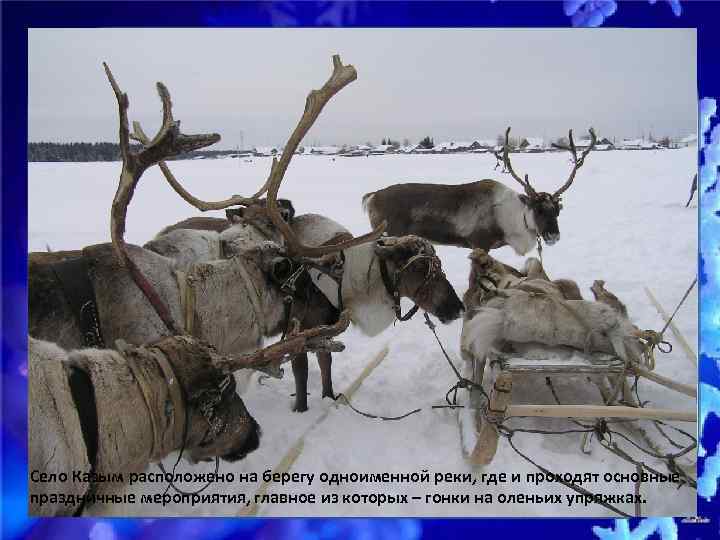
[606, 371]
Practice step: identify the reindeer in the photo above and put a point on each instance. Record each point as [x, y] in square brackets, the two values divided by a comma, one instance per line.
[360, 280]
[484, 214]
[176, 394]
[370, 282]
[200, 238]
[118, 291]
[233, 303]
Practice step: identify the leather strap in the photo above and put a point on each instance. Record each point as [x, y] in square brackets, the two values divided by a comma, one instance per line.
[74, 279]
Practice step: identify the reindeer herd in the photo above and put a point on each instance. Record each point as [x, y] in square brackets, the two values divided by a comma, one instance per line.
[217, 288]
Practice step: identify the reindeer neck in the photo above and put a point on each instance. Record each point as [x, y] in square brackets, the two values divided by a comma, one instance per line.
[269, 297]
[363, 291]
[517, 221]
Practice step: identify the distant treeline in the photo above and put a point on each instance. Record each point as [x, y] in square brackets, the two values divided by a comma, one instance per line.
[100, 151]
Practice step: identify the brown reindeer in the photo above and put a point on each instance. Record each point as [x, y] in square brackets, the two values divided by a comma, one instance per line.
[484, 214]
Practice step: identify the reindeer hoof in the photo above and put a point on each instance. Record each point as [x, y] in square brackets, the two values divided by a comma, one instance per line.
[300, 408]
[329, 394]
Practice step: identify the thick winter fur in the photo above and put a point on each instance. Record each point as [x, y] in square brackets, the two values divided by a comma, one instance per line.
[55, 438]
[536, 310]
[240, 289]
[49, 313]
[76, 423]
[520, 317]
[484, 214]
[363, 290]
[486, 272]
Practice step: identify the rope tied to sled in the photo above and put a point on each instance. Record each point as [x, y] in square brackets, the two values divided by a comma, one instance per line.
[652, 340]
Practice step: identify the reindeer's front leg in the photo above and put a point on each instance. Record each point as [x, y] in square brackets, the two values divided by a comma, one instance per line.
[300, 372]
[325, 362]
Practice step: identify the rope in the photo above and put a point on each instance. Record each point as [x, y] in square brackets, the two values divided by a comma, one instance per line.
[462, 381]
[600, 429]
[571, 485]
[368, 415]
[687, 293]
[652, 340]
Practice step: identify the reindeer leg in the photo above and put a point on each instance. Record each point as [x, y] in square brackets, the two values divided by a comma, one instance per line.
[300, 372]
[325, 363]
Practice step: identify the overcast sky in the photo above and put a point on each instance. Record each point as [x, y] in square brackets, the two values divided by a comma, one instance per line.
[446, 83]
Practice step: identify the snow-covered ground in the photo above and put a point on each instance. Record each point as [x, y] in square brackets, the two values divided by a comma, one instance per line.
[623, 221]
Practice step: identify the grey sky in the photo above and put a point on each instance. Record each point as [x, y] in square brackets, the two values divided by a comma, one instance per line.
[446, 83]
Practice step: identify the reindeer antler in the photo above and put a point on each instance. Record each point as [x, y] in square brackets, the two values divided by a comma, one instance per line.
[508, 166]
[312, 340]
[577, 161]
[139, 135]
[169, 141]
[316, 100]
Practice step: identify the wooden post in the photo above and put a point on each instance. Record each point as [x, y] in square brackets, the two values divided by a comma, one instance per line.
[487, 431]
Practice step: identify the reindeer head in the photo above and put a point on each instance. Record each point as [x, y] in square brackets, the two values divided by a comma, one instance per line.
[228, 430]
[545, 207]
[415, 272]
[258, 211]
[545, 210]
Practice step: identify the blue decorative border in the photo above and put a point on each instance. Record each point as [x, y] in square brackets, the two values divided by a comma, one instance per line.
[18, 16]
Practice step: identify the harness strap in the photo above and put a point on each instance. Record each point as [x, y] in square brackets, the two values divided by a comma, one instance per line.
[73, 275]
[254, 296]
[187, 300]
[391, 288]
[177, 399]
[168, 423]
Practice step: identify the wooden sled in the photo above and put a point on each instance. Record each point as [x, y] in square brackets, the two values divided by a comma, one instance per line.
[478, 430]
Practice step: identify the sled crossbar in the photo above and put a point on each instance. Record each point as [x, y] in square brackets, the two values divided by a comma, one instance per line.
[599, 411]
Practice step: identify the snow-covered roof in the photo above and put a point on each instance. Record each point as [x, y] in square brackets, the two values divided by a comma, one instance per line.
[486, 143]
[689, 139]
[534, 142]
[326, 150]
[267, 150]
[452, 145]
[631, 142]
[381, 148]
[638, 143]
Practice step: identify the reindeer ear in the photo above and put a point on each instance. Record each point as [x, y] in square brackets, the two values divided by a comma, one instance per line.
[288, 210]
